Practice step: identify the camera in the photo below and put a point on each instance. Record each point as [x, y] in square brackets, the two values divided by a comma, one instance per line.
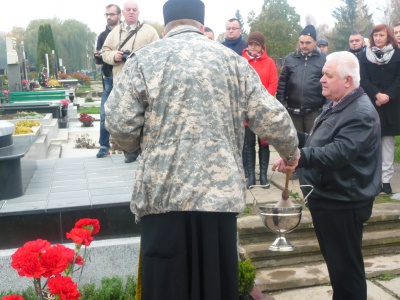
[125, 55]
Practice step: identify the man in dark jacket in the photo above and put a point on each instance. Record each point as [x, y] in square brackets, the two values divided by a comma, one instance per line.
[299, 88]
[356, 44]
[233, 36]
[341, 159]
[113, 16]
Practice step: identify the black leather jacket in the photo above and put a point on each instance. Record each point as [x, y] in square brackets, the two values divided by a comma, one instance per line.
[298, 85]
[341, 157]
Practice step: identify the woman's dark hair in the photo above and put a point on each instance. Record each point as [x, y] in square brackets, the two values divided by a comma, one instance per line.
[383, 27]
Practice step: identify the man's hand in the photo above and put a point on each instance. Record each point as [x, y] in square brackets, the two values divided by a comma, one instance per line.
[118, 56]
[281, 166]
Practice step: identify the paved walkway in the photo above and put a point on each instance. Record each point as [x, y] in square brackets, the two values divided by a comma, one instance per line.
[79, 178]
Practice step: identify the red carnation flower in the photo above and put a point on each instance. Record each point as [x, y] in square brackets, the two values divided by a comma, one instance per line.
[27, 263]
[64, 287]
[92, 225]
[26, 260]
[80, 236]
[54, 260]
[38, 246]
[70, 254]
[79, 260]
[12, 297]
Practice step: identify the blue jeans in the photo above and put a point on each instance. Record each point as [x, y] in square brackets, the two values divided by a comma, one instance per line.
[104, 139]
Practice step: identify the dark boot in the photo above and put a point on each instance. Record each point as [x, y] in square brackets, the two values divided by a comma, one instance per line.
[250, 157]
[244, 164]
[263, 157]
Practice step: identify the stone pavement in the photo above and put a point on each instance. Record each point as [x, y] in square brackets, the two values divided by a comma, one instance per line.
[377, 289]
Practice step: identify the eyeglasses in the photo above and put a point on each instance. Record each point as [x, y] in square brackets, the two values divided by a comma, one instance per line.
[110, 15]
[232, 29]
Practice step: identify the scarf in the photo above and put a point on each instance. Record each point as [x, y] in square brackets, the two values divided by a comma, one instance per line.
[253, 55]
[233, 43]
[380, 56]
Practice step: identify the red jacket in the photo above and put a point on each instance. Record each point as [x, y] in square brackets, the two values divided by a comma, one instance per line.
[266, 69]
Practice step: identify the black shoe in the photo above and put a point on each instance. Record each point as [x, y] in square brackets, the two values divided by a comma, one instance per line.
[386, 188]
[251, 180]
[264, 182]
[131, 157]
[263, 158]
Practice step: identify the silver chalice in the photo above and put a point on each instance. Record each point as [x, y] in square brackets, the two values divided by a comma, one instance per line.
[281, 220]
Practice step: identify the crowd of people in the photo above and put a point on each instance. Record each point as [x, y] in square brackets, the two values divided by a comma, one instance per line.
[190, 110]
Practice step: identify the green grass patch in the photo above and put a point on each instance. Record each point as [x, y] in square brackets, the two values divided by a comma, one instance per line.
[397, 150]
[385, 277]
[247, 211]
[383, 198]
[84, 89]
[89, 110]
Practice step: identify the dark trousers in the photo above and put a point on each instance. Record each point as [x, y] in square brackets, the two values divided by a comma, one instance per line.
[304, 123]
[189, 256]
[339, 234]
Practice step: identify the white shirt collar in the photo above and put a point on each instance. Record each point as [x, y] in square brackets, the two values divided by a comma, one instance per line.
[133, 26]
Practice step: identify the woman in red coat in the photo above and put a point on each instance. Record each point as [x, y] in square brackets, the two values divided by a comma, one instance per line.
[256, 54]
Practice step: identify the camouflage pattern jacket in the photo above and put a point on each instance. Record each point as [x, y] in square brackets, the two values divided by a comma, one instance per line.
[183, 100]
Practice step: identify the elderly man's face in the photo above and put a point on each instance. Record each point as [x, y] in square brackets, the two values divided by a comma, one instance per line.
[233, 30]
[397, 33]
[130, 12]
[356, 42]
[333, 87]
[306, 44]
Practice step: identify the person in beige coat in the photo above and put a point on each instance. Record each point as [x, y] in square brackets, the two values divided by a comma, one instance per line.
[117, 47]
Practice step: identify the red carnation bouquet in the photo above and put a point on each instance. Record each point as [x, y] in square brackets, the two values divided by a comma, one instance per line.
[39, 259]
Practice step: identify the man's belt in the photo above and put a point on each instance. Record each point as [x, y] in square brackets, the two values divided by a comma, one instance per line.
[301, 111]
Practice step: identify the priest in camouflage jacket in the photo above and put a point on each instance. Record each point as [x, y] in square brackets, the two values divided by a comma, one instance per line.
[183, 100]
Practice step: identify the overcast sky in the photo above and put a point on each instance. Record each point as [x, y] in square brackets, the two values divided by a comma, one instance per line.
[91, 12]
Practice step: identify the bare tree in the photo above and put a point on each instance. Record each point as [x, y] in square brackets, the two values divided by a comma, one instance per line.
[390, 13]
[310, 20]
[384, 12]
[322, 31]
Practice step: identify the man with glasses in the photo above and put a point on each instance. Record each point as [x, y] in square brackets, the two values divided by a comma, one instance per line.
[124, 39]
[233, 36]
[113, 16]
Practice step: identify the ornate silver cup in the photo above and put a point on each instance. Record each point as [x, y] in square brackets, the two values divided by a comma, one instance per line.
[281, 220]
